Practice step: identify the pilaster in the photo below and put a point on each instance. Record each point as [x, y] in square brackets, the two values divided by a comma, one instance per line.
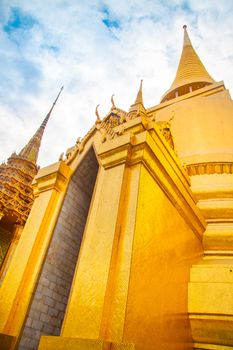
[211, 280]
[19, 283]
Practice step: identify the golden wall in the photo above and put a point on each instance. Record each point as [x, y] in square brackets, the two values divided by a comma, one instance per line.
[142, 235]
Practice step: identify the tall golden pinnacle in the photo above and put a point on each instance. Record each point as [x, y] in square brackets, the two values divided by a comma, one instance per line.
[31, 150]
[16, 194]
[191, 73]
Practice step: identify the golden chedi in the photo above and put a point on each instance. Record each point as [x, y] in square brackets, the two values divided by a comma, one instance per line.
[202, 125]
[128, 244]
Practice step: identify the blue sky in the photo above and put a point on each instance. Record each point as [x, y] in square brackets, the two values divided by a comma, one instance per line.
[95, 49]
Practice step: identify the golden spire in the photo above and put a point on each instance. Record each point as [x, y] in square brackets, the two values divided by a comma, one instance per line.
[31, 150]
[137, 107]
[191, 73]
[139, 95]
[16, 192]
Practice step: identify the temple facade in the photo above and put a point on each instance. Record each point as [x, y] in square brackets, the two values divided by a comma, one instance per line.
[129, 241]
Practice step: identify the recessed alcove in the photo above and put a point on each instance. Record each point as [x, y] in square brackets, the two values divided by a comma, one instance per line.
[50, 298]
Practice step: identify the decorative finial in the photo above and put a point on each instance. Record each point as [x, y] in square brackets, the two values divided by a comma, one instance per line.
[139, 95]
[78, 140]
[31, 150]
[98, 120]
[141, 85]
[45, 121]
[186, 41]
[137, 108]
[113, 103]
[61, 157]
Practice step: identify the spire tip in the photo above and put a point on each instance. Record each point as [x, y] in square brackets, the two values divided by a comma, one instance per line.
[113, 103]
[184, 26]
[97, 114]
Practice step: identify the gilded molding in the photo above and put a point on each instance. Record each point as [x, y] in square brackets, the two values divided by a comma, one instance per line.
[16, 194]
[53, 177]
[165, 129]
[107, 128]
[116, 151]
[210, 168]
[116, 123]
[142, 148]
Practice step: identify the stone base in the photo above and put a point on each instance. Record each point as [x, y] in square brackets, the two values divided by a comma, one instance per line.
[7, 342]
[62, 343]
[211, 304]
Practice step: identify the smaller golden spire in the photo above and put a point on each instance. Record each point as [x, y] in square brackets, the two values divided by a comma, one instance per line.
[139, 95]
[191, 73]
[137, 107]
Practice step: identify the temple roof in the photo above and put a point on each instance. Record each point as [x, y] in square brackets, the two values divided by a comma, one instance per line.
[191, 73]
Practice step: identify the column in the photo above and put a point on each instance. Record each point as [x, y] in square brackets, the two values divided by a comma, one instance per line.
[20, 280]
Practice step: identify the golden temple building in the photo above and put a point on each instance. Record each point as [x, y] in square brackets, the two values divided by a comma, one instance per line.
[129, 241]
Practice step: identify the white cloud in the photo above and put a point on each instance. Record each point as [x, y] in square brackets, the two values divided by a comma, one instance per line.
[69, 44]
